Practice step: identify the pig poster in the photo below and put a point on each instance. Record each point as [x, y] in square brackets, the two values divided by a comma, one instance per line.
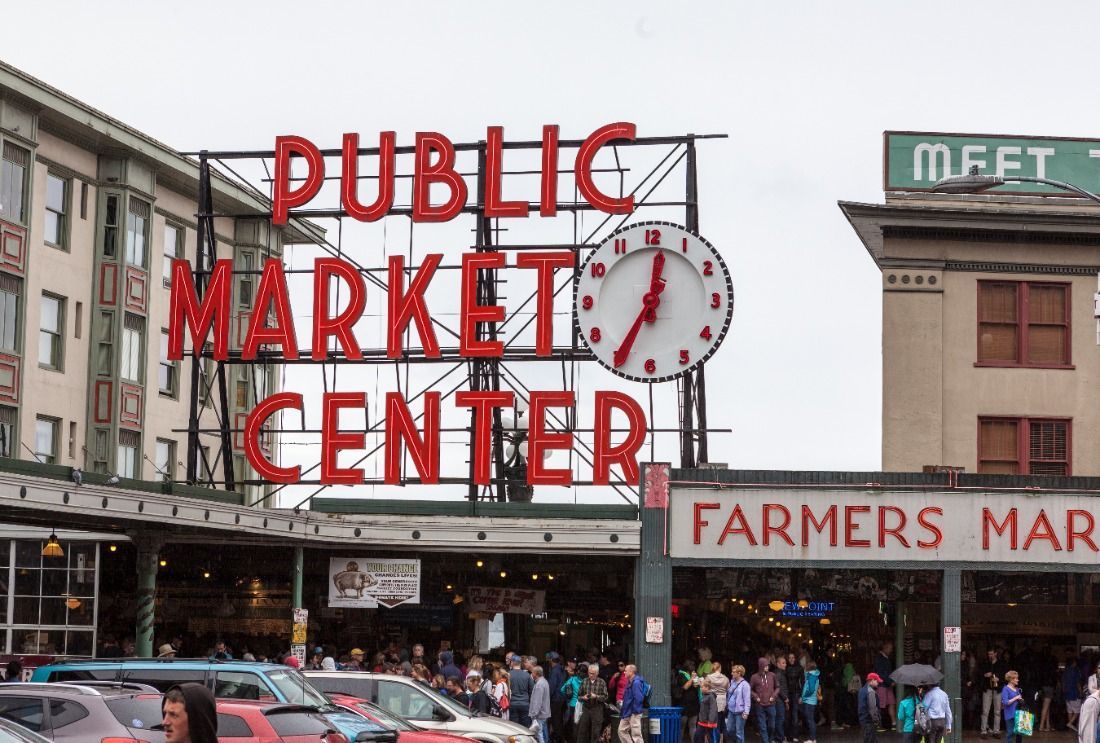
[368, 582]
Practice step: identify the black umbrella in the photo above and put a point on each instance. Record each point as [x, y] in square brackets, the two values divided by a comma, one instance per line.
[916, 674]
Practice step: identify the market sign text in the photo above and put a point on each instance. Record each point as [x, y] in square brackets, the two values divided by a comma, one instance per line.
[781, 524]
[270, 324]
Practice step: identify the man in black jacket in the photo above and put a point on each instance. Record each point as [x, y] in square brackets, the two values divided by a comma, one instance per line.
[796, 679]
[783, 706]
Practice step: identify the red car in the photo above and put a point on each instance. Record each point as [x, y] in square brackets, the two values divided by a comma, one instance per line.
[386, 720]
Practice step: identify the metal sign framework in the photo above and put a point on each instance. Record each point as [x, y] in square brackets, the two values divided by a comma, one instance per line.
[508, 481]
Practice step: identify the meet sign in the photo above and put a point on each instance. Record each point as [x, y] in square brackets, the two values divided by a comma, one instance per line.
[914, 161]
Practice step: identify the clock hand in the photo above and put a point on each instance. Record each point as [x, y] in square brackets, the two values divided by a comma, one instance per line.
[650, 302]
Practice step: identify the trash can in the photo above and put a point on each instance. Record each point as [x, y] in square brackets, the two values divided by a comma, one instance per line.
[664, 724]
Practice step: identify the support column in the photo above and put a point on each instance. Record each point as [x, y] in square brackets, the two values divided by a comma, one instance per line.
[296, 579]
[951, 616]
[653, 586]
[148, 557]
[899, 653]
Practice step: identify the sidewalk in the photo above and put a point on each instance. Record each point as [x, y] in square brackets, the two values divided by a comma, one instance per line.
[853, 735]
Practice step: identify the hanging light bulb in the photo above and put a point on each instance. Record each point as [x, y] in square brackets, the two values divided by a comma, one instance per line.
[776, 605]
[113, 548]
[503, 573]
[803, 604]
[481, 563]
[825, 620]
[53, 547]
[163, 563]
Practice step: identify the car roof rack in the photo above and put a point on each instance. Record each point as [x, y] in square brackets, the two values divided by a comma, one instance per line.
[77, 687]
[120, 685]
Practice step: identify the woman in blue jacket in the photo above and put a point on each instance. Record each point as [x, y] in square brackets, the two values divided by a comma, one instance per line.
[809, 700]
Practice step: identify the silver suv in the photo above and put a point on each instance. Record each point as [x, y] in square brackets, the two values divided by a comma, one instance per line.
[424, 708]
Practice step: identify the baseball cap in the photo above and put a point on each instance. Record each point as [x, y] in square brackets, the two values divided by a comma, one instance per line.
[318, 650]
[552, 655]
[356, 651]
[874, 677]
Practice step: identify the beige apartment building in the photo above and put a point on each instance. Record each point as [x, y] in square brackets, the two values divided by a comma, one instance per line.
[91, 214]
[989, 341]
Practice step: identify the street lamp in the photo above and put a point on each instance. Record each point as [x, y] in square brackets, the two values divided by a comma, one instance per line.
[975, 182]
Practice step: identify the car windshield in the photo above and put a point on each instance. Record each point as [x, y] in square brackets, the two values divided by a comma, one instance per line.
[391, 721]
[295, 688]
[460, 709]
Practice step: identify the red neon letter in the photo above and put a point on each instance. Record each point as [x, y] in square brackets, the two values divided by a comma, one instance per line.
[545, 263]
[585, 155]
[548, 204]
[937, 535]
[699, 522]
[1073, 534]
[271, 292]
[333, 440]
[213, 311]
[341, 325]
[742, 528]
[425, 174]
[809, 520]
[1043, 529]
[625, 454]
[539, 440]
[494, 166]
[483, 404]
[894, 532]
[349, 178]
[470, 313]
[988, 521]
[781, 529]
[851, 527]
[284, 197]
[400, 427]
[254, 425]
[405, 306]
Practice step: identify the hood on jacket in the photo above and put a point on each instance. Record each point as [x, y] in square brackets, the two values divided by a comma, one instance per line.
[762, 664]
[446, 657]
[202, 715]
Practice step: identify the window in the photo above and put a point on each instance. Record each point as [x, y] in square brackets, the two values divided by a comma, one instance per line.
[129, 444]
[404, 701]
[206, 373]
[246, 279]
[57, 197]
[13, 182]
[166, 459]
[169, 371]
[232, 726]
[132, 332]
[9, 443]
[10, 289]
[240, 685]
[51, 326]
[1023, 323]
[110, 227]
[26, 711]
[172, 243]
[1023, 446]
[64, 712]
[137, 223]
[45, 439]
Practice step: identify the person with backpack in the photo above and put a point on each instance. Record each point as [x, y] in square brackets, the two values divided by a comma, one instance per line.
[630, 715]
[1088, 730]
[811, 685]
[938, 705]
[907, 712]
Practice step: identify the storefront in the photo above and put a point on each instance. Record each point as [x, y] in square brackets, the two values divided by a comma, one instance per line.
[840, 564]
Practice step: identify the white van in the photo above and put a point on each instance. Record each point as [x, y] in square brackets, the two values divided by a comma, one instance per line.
[421, 706]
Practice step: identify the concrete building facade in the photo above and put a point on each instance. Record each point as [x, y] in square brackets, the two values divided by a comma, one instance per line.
[989, 342]
[91, 214]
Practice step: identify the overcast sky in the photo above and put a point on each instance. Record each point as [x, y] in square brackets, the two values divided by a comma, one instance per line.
[804, 91]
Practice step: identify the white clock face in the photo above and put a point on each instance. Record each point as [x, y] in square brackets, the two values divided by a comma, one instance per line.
[653, 301]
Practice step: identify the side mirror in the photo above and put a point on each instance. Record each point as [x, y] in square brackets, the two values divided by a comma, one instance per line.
[389, 736]
[440, 715]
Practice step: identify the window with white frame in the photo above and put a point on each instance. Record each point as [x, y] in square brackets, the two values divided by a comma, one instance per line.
[166, 459]
[11, 288]
[129, 456]
[133, 330]
[45, 439]
[57, 199]
[137, 230]
[51, 324]
[173, 244]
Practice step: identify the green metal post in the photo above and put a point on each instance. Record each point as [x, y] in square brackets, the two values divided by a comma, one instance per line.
[148, 555]
[653, 596]
[296, 578]
[951, 616]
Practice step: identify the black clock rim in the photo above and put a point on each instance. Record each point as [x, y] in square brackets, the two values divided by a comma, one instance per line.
[725, 325]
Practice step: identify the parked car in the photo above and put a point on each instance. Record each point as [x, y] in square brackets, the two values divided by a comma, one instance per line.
[12, 733]
[409, 733]
[241, 721]
[71, 713]
[265, 682]
[420, 705]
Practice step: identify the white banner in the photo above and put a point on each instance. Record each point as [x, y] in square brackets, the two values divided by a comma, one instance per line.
[367, 582]
[863, 526]
[495, 600]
